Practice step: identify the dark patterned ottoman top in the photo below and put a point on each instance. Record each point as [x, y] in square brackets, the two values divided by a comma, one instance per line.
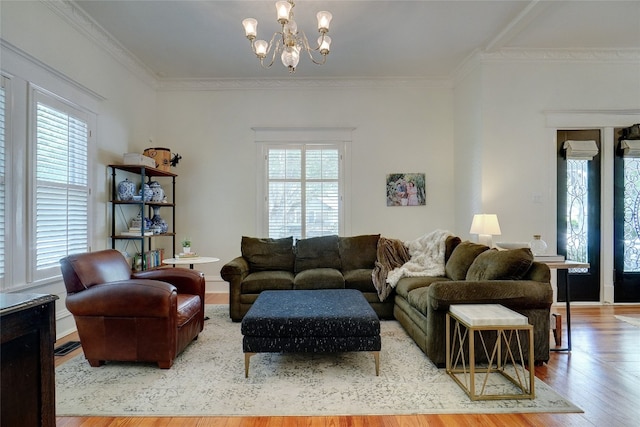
[312, 313]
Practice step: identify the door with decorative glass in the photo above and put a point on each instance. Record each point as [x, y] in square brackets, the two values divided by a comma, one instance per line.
[626, 226]
[578, 218]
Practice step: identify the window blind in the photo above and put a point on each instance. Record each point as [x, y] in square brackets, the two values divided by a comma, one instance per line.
[62, 185]
[2, 178]
[303, 190]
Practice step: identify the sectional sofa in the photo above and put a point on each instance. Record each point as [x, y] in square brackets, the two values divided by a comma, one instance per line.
[472, 273]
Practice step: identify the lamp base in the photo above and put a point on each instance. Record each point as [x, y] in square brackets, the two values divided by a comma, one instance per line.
[485, 239]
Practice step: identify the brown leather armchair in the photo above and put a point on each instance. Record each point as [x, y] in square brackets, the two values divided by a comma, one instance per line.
[148, 316]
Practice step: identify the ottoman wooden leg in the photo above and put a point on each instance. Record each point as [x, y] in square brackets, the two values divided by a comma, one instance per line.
[247, 356]
[376, 357]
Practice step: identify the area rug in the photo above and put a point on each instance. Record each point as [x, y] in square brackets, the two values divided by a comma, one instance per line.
[635, 321]
[207, 379]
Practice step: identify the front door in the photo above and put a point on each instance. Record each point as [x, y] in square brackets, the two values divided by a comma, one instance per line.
[578, 218]
[626, 226]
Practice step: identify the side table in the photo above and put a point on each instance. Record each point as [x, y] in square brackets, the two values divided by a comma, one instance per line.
[470, 319]
[190, 260]
[565, 266]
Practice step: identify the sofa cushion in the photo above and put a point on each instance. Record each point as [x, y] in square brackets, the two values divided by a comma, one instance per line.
[319, 278]
[359, 279]
[317, 252]
[358, 251]
[408, 284]
[264, 254]
[461, 259]
[501, 265]
[419, 298]
[260, 281]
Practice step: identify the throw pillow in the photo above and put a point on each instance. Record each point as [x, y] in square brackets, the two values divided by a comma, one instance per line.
[461, 259]
[358, 251]
[317, 252]
[501, 265]
[264, 254]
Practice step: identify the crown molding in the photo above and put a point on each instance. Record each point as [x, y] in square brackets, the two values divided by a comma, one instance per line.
[479, 57]
[75, 16]
[168, 85]
[625, 55]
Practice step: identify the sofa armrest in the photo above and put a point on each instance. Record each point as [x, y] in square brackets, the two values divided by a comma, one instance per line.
[126, 298]
[524, 294]
[235, 270]
[185, 280]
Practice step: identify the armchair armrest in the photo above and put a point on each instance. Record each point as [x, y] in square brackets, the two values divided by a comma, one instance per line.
[185, 280]
[525, 294]
[125, 298]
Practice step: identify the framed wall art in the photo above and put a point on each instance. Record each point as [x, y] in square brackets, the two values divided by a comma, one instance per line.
[406, 189]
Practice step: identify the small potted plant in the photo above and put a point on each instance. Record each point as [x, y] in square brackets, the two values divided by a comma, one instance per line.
[186, 245]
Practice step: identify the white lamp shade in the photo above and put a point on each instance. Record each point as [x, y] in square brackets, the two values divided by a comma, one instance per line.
[485, 224]
[324, 20]
[250, 27]
[283, 8]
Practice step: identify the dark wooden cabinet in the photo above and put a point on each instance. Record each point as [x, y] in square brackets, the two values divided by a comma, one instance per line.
[27, 393]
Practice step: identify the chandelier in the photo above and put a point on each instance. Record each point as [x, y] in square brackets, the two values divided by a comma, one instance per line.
[289, 42]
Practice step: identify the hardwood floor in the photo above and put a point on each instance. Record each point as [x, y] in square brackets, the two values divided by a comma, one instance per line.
[601, 375]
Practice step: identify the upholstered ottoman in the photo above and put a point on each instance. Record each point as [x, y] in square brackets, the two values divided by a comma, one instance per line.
[304, 321]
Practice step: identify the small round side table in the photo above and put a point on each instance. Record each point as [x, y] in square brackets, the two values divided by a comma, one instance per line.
[190, 260]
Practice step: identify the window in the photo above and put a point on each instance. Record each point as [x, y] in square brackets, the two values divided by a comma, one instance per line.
[61, 225]
[303, 189]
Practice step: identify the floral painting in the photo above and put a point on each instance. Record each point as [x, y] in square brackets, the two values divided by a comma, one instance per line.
[406, 189]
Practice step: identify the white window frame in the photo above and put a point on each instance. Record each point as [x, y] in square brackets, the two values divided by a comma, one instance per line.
[37, 94]
[267, 138]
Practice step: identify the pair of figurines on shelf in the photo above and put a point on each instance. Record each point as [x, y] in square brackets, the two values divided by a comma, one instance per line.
[151, 192]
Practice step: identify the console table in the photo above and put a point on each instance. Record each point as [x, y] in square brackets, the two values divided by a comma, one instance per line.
[565, 266]
[28, 369]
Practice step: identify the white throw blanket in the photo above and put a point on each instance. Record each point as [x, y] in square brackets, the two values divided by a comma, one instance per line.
[427, 257]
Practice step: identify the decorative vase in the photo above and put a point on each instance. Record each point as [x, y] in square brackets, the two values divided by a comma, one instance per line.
[157, 220]
[186, 249]
[157, 191]
[537, 245]
[126, 190]
[145, 192]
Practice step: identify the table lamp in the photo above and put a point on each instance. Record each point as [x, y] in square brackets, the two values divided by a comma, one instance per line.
[485, 226]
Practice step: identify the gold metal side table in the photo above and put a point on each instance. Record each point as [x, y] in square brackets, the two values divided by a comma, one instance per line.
[470, 319]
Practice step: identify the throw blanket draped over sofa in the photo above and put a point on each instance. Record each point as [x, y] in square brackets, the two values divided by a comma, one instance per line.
[468, 273]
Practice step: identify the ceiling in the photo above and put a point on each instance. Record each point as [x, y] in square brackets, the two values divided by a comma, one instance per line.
[371, 39]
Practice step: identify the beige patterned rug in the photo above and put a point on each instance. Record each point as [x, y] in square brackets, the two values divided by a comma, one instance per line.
[207, 379]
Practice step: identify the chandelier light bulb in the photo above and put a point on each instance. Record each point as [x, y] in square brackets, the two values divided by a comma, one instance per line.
[250, 28]
[261, 48]
[283, 9]
[324, 20]
[324, 43]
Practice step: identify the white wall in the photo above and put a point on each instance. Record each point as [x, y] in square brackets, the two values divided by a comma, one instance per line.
[41, 47]
[397, 129]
